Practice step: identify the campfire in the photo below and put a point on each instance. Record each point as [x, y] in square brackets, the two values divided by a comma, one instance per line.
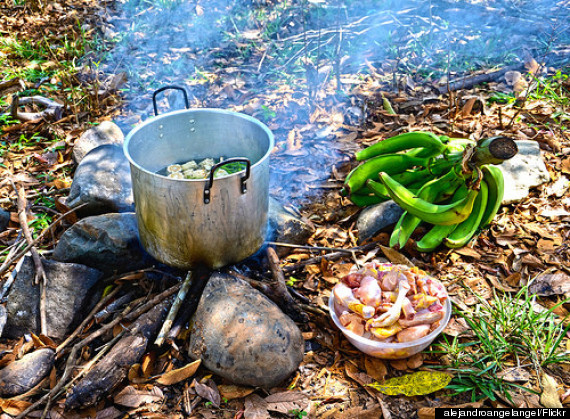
[283, 209]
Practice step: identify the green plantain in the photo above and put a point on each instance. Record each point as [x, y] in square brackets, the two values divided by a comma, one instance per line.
[435, 236]
[433, 191]
[453, 213]
[466, 229]
[389, 163]
[401, 142]
[496, 183]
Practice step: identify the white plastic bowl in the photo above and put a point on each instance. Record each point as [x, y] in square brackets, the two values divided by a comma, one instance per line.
[390, 350]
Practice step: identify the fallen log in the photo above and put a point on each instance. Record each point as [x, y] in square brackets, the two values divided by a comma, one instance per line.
[114, 367]
[469, 82]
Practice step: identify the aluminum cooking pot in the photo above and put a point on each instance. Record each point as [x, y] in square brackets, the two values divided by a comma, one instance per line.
[212, 222]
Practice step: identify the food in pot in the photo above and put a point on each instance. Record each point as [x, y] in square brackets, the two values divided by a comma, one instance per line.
[200, 170]
[389, 303]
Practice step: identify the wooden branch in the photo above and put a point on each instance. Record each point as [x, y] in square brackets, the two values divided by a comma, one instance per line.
[280, 293]
[11, 259]
[113, 368]
[167, 325]
[75, 350]
[40, 277]
[201, 275]
[330, 256]
[469, 82]
[23, 219]
[53, 110]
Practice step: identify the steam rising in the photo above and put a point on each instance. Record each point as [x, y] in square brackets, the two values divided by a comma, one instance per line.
[255, 44]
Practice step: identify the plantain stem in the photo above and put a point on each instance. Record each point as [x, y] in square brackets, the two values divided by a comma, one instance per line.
[493, 150]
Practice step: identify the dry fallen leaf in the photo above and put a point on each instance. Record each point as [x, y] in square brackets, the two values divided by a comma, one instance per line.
[255, 408]
[208, 391]
[231, 391]
[375, 368]
[180, 374]
[286, 401]
[396, 257]
[549, 397]
[515, 375]
[551, 283]
[131, 397]
[109, 413]
[13, 407]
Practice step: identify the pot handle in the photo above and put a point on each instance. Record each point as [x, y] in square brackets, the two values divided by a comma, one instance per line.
[162, 89]
[215, 167]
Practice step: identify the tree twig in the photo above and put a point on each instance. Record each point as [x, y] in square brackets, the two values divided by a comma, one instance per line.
[87, 319]
[329, 256]
[9, 260]
[69, 365]
[174, 309]
[40, 277]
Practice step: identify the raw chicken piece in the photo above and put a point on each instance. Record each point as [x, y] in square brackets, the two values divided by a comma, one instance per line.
[343, 296]
[385, 332]
[423, 318]
[392, 315]
[352, 322]
[391, 279]
[408, 309]
[369, 291]
[353, 279]
[413, 333]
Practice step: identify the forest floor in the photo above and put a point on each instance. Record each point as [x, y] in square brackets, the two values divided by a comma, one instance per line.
[315, 74]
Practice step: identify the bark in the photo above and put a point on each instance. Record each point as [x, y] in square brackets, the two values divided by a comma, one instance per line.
[114, 367]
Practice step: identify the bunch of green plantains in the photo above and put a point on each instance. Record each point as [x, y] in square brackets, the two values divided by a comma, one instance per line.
[450, 183]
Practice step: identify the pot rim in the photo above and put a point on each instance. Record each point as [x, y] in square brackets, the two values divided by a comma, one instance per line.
[156, 119]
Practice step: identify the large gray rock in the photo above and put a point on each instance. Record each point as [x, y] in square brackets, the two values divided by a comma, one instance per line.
[22, 375]
[66, 292]
[102, 182]
[104, 133]
[374, 218]
[524, 171]
[286, 227]
[108, 242]
[4, 219]
[242, 336]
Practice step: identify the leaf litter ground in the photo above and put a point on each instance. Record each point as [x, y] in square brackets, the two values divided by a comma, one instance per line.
[318, 129]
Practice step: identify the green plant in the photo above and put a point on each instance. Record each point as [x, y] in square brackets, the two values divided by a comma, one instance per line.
[508, 330]
[267, 113]
[299, 414]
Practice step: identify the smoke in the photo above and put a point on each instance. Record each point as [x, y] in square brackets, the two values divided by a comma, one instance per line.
[281, 61]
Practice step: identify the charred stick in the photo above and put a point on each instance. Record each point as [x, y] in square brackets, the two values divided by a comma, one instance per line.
[108, 373]
[174, 309]
[113, 307]
[280, 292]
[75, 350]
[469, 82]
[85, 369]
